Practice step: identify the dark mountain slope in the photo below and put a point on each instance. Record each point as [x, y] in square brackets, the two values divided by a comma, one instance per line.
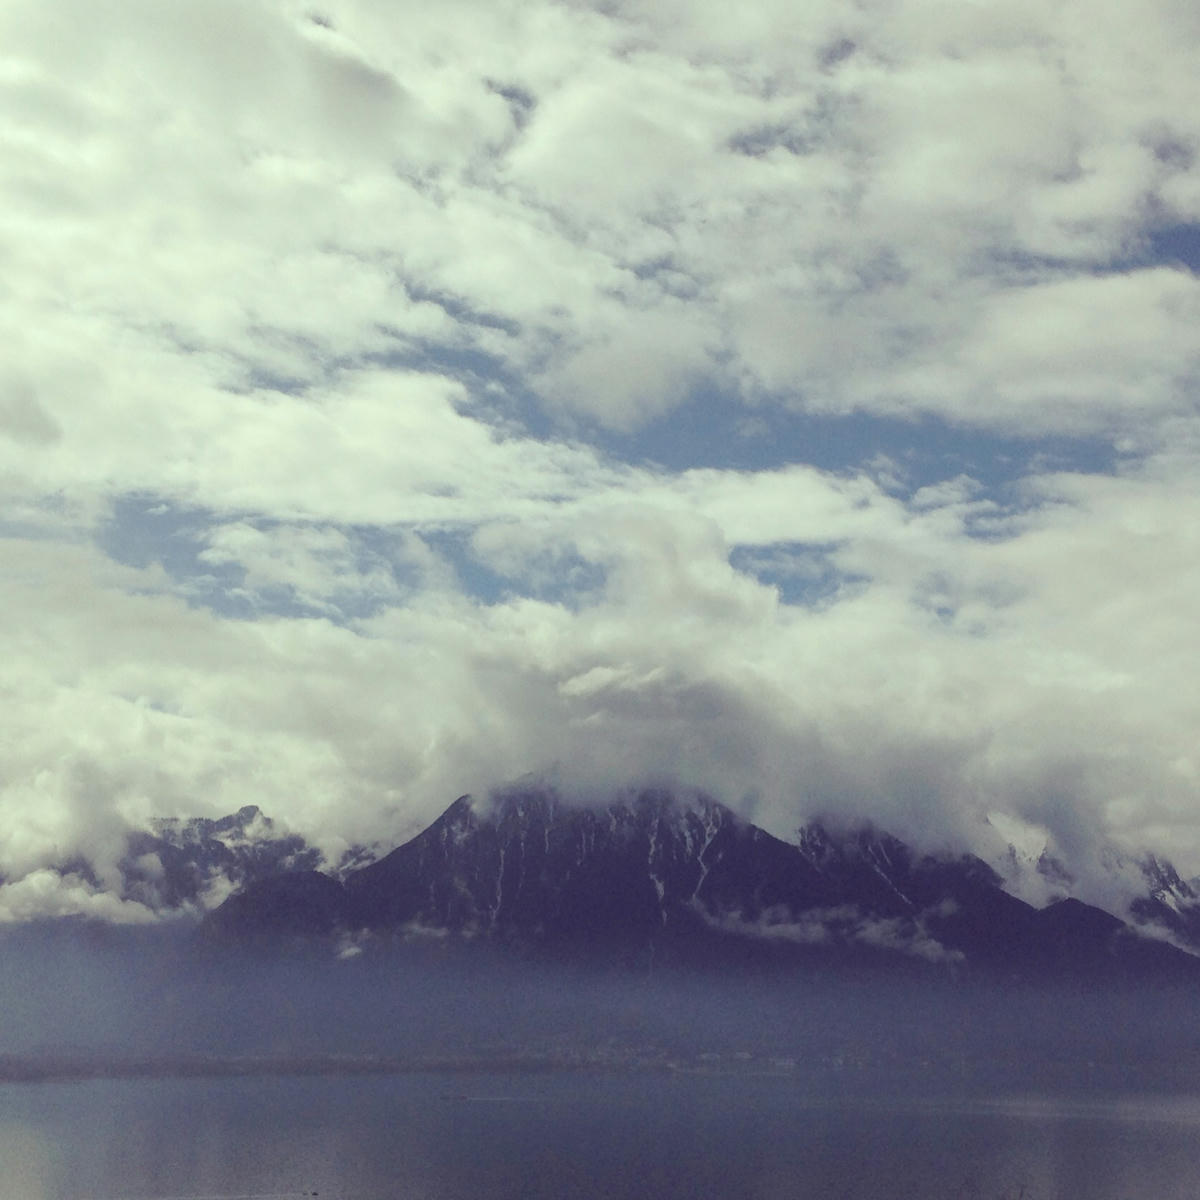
[280, 906]
[650, 878]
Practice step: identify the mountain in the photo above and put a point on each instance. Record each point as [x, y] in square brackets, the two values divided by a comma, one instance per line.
[1157, 899]
[649, 878]
[180, 863]
[1170, 903]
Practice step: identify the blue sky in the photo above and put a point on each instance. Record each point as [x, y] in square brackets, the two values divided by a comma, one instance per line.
[799, 405]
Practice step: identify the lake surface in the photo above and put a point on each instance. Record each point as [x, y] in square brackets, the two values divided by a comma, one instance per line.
[579, 1135]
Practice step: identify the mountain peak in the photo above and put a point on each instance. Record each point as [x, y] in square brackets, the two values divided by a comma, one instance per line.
[652, 877]
[527, 865]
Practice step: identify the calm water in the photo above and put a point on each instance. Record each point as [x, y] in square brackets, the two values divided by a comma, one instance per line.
[498, 1136]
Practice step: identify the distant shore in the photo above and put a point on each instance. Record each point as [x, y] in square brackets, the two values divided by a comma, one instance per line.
[834, 1075]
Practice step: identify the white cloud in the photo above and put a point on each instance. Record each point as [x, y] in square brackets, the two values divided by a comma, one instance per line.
[844, 925]
[1038, 674]
[43, 894]
[347, 298]
[276, 196]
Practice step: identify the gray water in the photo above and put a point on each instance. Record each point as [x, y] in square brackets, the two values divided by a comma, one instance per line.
[487, 1137]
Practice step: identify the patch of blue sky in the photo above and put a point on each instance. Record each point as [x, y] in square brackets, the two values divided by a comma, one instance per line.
[264, 369]
[564, 578]
[1175, 245]
[717, 430]
[459, 310]
[452, 545]
[144, 531]
[493, 393]
[803, 573]
[561, 577]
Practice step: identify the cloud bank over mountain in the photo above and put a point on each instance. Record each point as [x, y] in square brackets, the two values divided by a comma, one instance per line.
[797, 406]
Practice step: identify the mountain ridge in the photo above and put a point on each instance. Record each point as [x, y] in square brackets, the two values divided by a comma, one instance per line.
[649, 877]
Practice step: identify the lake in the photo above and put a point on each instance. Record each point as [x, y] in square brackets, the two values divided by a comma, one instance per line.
[584, 1135]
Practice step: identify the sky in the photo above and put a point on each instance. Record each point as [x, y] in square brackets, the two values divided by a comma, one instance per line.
[797, 403]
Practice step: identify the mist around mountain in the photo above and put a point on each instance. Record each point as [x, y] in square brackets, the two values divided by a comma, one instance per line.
[84, 1001]
[653, 933]
[670, 862]
[654, 879]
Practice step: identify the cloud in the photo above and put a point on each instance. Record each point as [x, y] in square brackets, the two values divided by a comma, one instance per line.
[925, 707]
[280, 196]
[334, 336]
[844, 924]
[44, 893]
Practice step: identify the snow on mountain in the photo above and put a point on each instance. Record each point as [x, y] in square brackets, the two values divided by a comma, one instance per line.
[648, 870]
[1142, 888]
[650, 877]
[653, 874]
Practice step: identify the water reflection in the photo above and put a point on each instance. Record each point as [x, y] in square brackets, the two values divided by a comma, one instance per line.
[443, 1137]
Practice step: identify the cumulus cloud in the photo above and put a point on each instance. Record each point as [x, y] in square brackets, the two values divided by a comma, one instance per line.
[45, 893]
[327, 326]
